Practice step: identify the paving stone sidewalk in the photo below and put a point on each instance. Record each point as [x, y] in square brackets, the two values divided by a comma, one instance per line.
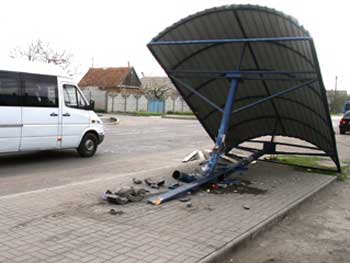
[72, 224]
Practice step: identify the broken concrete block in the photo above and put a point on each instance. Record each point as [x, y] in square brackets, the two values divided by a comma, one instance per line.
[115, 199]
[136, 181]
[246, 207]
[135, 198]
[114, 212]
[125, 191]
[185, 199]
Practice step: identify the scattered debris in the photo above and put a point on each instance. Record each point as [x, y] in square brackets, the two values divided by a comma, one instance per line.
[116, 199]
[136, 181]
[228, 158]
[135, 198]
[183, 177]
[185, 199]
[214, 186]
[124, 195]
[114, 212]
[189, 204]
[141, 191]
[204, 155]
[156, 184]
[126, 191]
[194, 156]
[246, 207]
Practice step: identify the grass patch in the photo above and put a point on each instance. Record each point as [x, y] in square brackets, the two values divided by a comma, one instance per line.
[311, 165]
[144, 113]
[345, 172]
[187, 113]
[299, 160]
[99, 111]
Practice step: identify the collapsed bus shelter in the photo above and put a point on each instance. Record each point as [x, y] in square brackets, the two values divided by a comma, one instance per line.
[246, 72]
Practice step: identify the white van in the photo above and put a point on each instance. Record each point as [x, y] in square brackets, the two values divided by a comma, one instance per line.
[41, 108]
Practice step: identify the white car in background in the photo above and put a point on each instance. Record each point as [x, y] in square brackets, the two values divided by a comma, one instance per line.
[41, 108]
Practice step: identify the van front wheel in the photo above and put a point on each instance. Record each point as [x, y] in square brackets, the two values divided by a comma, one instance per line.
[88, 145]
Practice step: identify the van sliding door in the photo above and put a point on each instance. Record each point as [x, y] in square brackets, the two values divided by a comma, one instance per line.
[40, 112]
[10, 112]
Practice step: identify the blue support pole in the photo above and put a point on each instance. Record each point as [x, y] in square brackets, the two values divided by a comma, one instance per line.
[210, 174]
[224, 126]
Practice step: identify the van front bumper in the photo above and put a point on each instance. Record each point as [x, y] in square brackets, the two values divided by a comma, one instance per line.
[101, 137]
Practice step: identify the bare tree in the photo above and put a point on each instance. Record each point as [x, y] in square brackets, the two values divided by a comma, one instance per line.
[42, 51]
[156, 90]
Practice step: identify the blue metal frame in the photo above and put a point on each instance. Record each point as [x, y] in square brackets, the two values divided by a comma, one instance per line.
[224, 41]
[244, 72]
[277, 94]
[235, 76]
[288, 118]
[287, 144]
[278, 98]
[185, 85]
[248, 149]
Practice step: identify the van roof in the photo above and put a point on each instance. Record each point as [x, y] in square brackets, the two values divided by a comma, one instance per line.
[24, 66]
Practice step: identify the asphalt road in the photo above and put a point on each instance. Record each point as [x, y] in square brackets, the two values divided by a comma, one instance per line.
[135, 144]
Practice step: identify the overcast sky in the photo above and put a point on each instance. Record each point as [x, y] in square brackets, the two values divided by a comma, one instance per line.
[115, 32]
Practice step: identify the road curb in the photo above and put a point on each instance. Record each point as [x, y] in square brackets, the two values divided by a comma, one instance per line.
[179, 117]
[220, 254]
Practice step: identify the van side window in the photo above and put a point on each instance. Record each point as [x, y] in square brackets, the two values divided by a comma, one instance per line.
[9, 91]
[40, 93]
[72, 97]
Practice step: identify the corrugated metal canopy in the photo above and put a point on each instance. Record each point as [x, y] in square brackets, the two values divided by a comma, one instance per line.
[201, 52]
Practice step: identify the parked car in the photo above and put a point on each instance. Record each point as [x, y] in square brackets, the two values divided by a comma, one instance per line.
[42, 108]
[346, 106]
[344, 124]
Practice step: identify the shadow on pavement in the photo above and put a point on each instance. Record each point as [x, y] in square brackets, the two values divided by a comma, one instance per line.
[40, 156]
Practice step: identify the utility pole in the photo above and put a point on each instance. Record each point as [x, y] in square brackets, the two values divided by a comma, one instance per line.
[335, 95]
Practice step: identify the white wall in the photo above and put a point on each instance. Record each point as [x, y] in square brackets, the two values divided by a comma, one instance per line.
[99, 96]
[143, 103]
[111, 101]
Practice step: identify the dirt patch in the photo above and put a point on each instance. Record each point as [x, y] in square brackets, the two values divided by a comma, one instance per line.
[240, 187]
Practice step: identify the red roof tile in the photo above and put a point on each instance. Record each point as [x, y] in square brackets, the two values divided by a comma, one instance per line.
[105, 77]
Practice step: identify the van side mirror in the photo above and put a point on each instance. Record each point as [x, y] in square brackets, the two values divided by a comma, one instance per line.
[92, 105]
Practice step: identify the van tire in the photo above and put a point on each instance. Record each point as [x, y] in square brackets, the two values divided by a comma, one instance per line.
[342, 131]
[88, 145]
